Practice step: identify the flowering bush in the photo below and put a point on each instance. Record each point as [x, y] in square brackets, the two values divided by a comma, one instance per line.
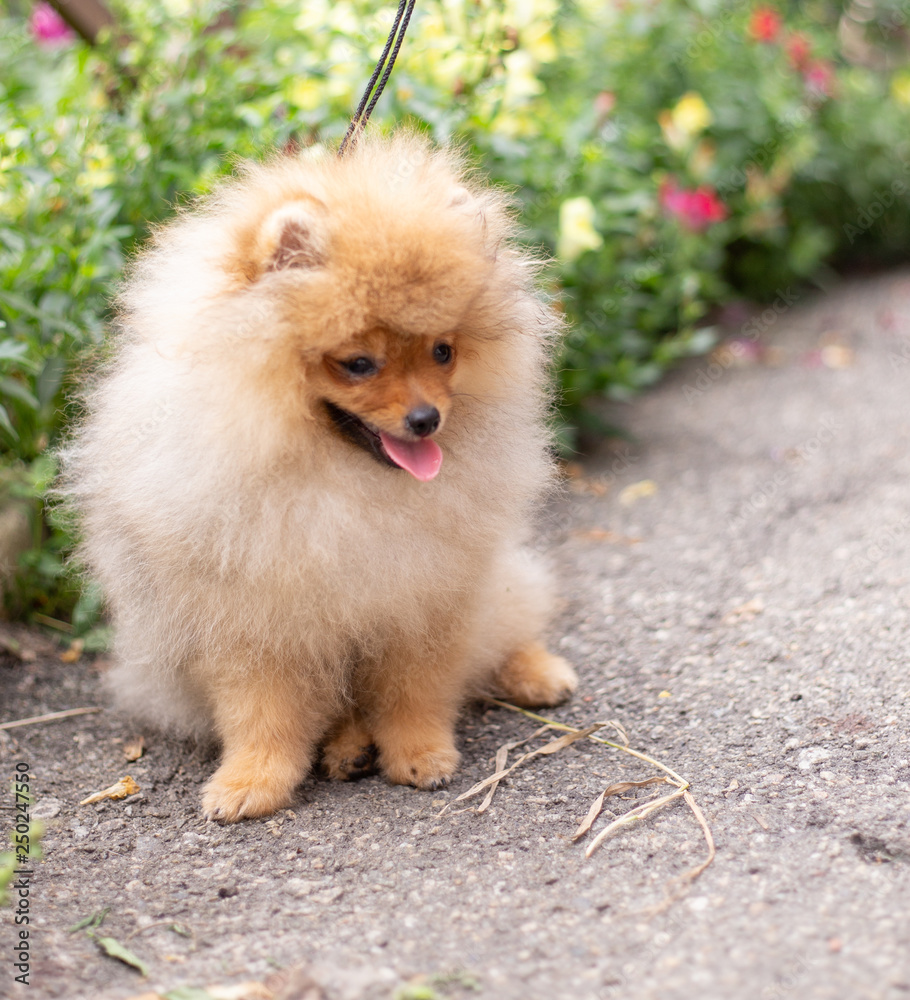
[707, 151]
[671, 155]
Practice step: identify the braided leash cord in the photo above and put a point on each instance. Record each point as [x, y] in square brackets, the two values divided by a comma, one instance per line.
[384, 66]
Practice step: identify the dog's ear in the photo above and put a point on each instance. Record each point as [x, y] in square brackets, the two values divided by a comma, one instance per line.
[469, 205]
[463, 201]
[293, 236]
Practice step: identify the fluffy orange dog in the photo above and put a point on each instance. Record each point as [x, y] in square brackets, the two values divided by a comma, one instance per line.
[306, 477]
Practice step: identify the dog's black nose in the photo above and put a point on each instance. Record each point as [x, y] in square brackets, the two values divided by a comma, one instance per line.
[422, 420]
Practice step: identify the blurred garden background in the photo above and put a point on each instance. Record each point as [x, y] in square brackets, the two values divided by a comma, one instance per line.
[687, 164]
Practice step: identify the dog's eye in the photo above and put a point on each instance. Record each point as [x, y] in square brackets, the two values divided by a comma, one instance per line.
[360, 366]
[442, 353]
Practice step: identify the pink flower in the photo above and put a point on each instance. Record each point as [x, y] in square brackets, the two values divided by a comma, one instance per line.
[695, 208]
[765, 24]
[799, 49]
[820, 78]
[48, 28]
[604, 103]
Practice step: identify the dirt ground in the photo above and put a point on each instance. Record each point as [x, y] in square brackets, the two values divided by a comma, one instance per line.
[737, 584]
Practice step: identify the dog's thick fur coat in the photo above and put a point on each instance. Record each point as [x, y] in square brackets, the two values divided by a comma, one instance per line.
[269, 581]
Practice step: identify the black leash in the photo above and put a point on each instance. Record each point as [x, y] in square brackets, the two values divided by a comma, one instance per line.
[390, 53]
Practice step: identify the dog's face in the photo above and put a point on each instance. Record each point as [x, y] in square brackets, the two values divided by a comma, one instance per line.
[377, 298]
[389, 394]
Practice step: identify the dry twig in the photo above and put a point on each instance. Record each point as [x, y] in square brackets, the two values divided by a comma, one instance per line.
[681, 789]
[50, 717]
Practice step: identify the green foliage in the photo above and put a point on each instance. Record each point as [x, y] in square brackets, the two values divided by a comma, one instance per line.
[24, 849]
[671, 155]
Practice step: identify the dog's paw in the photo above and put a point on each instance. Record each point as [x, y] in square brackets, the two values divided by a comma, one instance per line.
[235, 793]
[535, 678]
[349, 752]
[349, 760]
[430, 768]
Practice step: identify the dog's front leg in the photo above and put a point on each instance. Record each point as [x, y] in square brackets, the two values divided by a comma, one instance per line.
[269, 723]
[413, 704]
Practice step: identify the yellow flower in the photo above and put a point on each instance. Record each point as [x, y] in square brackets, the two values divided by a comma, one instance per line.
[576, 229]
[521, 83]
[691, 115]
[307, 93]
[538, 40]
[900, 88]
[522, 14]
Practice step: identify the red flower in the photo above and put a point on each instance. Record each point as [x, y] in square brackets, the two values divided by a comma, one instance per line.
[48, 28]
[765, 24]
[695, 208]
[820, 78]
[799, 49]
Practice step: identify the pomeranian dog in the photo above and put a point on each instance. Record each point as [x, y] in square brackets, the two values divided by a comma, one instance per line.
[307, 473]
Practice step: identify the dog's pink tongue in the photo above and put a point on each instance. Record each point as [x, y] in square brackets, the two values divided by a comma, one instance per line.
[421, 458]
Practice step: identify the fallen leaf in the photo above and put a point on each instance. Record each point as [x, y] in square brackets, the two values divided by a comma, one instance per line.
[74, 652]
[95, 920]
[187, 993]
[124, 787]
[502, 757]
[10, 645]
[638, 813]
[134, 749]
[592, 487]
[617, 789]
[635, 491]
[111, 946]
[554, 746]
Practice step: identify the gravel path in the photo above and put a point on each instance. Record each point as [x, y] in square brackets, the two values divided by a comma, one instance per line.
[738, 597]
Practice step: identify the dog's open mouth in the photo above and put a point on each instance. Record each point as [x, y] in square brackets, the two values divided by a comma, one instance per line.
[422, 458]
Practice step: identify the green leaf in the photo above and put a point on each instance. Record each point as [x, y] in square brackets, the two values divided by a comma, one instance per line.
[95, 920]
[12, 389]
[188, 993]
[50, 378]
[115, 949]
[12, 349]
[7, 424]
[20, 304]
